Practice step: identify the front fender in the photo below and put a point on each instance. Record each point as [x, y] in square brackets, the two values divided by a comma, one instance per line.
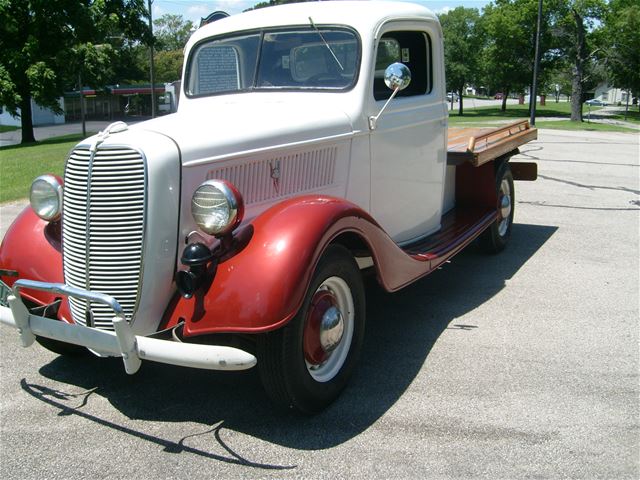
[261, 287]
[32, 248]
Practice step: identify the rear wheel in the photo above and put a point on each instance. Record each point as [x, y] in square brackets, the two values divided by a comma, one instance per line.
[306, 364]
[495, 238]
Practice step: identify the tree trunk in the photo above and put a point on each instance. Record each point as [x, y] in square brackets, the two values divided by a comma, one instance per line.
[460, 108]
[578, 69]
[26, 118]
[505, 94]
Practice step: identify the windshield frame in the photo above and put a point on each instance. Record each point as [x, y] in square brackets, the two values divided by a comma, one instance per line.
[189, 70]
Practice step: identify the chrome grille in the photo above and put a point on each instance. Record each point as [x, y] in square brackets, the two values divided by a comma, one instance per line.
[103, 229]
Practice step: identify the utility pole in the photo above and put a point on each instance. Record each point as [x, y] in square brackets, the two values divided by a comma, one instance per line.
[536, 66]
[151, 66]
[82, 105]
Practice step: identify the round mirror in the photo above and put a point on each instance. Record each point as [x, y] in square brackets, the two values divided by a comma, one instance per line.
[397, 76]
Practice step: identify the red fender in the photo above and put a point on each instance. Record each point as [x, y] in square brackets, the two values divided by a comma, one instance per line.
[262, 286]
[32, 247]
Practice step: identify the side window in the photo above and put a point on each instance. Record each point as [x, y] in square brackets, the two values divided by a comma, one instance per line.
[414, 50]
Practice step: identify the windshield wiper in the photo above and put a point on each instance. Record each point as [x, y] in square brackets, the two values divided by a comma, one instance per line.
[326, 44]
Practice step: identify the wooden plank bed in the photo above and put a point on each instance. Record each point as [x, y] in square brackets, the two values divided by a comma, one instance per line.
[481, 145]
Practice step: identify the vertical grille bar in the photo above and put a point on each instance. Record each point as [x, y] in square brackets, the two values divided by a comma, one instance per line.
[103, 221]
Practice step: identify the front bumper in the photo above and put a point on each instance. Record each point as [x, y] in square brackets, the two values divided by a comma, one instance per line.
[123, 343]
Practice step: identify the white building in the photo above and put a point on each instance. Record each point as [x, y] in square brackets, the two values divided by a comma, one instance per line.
[41, 116]
[610, 95]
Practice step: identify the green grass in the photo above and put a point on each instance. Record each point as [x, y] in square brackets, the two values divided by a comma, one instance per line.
[490, 116]
[585, 126]
[8, 128]
[20, 164]
[633, 116]
[562, 109]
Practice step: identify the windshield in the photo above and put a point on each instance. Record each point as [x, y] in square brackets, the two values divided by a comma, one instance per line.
[300, 58]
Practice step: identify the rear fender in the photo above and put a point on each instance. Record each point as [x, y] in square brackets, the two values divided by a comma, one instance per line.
[32, 248]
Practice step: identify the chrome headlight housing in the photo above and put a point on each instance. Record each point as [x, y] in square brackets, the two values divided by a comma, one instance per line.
[46, 197]
[217, 207]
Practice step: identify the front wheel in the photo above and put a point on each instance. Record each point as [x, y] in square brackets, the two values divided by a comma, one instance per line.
[495, 238]
[306, 364]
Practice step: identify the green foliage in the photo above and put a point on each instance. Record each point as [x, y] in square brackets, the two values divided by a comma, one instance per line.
[463, 35]
[620, 38]
[168, 65]
[9, 96]
[575, 29]
[171, 32]
[272, 3]
[46, 44]
[509, 56]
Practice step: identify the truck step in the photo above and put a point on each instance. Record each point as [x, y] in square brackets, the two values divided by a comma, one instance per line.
[459, 227]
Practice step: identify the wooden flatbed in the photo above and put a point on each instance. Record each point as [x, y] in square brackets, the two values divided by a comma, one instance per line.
[481, 145]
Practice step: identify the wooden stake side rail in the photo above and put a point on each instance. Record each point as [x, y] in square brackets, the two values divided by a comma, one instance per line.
[481, 145]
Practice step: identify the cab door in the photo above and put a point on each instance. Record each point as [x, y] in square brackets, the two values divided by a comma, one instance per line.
[408, 145]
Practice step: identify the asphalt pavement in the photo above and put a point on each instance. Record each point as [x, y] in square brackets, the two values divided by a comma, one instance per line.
[518, 365]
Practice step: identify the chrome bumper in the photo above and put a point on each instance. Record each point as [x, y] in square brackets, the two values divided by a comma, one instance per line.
[123, 343]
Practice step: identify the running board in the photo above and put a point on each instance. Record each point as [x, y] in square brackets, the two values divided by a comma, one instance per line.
[459, 227]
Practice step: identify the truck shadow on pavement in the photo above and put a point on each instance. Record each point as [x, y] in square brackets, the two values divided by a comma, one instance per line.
[402, 328]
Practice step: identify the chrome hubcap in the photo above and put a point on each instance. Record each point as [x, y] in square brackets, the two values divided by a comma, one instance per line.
[328, 329]
[505, 207]
[331, 329]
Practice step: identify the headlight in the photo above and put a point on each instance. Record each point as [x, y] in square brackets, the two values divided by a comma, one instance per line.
[217, 207]
[46, 197]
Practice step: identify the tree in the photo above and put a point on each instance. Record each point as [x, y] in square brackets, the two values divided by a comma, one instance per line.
[169, 65]
[621, 43]
[575, 27]
[41, 47]
[272, 3]
[172, 32]
[508, 58]
[463, 39]
[558, 80]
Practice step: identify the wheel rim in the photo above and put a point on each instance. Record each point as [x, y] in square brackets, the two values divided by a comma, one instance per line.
[328, 329]
[505, 207]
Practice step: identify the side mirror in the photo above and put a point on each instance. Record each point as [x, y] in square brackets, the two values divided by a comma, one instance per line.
[397, 77]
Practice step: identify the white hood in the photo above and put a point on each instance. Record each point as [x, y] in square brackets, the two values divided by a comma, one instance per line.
[209, 128]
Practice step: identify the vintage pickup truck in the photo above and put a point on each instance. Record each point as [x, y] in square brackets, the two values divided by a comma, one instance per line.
[310, 146]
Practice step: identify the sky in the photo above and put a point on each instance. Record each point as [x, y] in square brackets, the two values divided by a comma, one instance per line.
[194, 10]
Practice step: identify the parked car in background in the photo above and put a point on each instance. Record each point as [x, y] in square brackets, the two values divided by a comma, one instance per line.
[498, 96]
[594, 102]
[452, 97]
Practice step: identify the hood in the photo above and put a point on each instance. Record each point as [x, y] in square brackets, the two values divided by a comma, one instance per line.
[211, 128]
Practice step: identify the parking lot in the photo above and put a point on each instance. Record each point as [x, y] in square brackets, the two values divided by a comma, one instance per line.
[524, 364]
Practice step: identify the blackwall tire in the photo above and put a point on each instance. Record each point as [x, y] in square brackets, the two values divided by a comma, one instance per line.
[495, 238]
[305, 365]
